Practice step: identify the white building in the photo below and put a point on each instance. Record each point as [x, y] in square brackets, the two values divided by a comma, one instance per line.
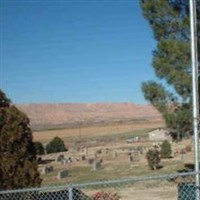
[159, 134]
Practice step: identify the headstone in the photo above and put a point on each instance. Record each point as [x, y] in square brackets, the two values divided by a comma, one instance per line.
[182, 152]
[136, 156]
[96, 165]
[107, 150]
[69, 159]
[62, 174]
[114, 154]
[99, 151]
[176, 153]
[86, 150]
[44, 170]
[83, 157]
[90, 161]
[47, 169]
[59, 158]
[64, 162]
[95, 155]
[78, 149]
[140, 149]
[39, 160]
[130, 158]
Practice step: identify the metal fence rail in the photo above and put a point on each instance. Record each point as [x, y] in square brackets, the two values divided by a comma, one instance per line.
[178, 186]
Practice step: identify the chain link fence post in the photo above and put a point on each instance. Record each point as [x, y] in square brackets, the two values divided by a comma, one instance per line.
[70, 193]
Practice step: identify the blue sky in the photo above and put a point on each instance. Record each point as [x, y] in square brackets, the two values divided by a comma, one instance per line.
[74, 51]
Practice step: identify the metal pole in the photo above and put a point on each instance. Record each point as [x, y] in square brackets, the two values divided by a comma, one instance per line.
[194, 59]
[70, 193]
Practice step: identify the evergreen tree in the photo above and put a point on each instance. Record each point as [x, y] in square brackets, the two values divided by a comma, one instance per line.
[4, 101]
[166, 150]
[169, 20]
[55, 145]
[39, 148]
[18, 164]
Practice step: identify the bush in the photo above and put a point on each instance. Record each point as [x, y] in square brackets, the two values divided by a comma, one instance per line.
[55, 145]
[165, 149]
[106, 196]
[39, 148]
[153, 158]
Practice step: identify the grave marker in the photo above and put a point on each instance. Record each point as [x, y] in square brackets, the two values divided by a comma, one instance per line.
[62, 174]
[59, 158]
[47, 169]
[96, 165]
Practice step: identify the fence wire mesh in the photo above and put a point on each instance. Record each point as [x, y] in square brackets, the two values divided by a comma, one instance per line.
[180, 186]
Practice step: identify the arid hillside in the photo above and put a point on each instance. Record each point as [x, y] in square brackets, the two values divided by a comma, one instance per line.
[69, 114]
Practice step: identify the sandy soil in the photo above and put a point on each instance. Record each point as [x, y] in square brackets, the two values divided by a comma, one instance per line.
[94, 130]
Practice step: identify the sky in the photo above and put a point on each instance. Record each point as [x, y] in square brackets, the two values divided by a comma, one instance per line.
[56, 51]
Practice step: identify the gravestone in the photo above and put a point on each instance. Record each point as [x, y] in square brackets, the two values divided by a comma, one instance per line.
[140, 149]
[39, 160]
[136, 156]
[59, 158]
[96, 165]
[129, 154]
[47, 169]
[95, 155]
[182, 152]
[130, 158]
[99, 151]
[107, 150]
[83, 157]
[90, 161]
[114, 154]
[64, 162]
[86, 150]
[69, 159]
[62, 174]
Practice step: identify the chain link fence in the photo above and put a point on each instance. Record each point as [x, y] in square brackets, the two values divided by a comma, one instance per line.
[180, 186]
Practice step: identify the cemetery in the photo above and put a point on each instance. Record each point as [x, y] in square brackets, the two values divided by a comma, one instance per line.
[109, 160]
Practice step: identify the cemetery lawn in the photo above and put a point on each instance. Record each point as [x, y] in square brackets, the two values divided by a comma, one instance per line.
[109, 171]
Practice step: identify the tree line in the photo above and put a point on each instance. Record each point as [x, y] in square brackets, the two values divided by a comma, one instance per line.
[170, 23]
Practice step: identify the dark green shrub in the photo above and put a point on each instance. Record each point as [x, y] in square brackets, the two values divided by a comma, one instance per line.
[153, 158]
[39, 148]
[55, 145]
[165, 149]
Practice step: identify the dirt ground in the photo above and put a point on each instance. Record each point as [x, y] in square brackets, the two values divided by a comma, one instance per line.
[166, 193]
[135, 193]
[94, 130]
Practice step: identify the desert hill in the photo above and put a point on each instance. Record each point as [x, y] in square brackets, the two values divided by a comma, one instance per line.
[73, 114]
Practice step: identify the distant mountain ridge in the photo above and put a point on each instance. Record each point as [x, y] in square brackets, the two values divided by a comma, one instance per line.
[83, 113]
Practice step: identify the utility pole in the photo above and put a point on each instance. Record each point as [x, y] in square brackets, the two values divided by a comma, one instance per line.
[194, 60]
